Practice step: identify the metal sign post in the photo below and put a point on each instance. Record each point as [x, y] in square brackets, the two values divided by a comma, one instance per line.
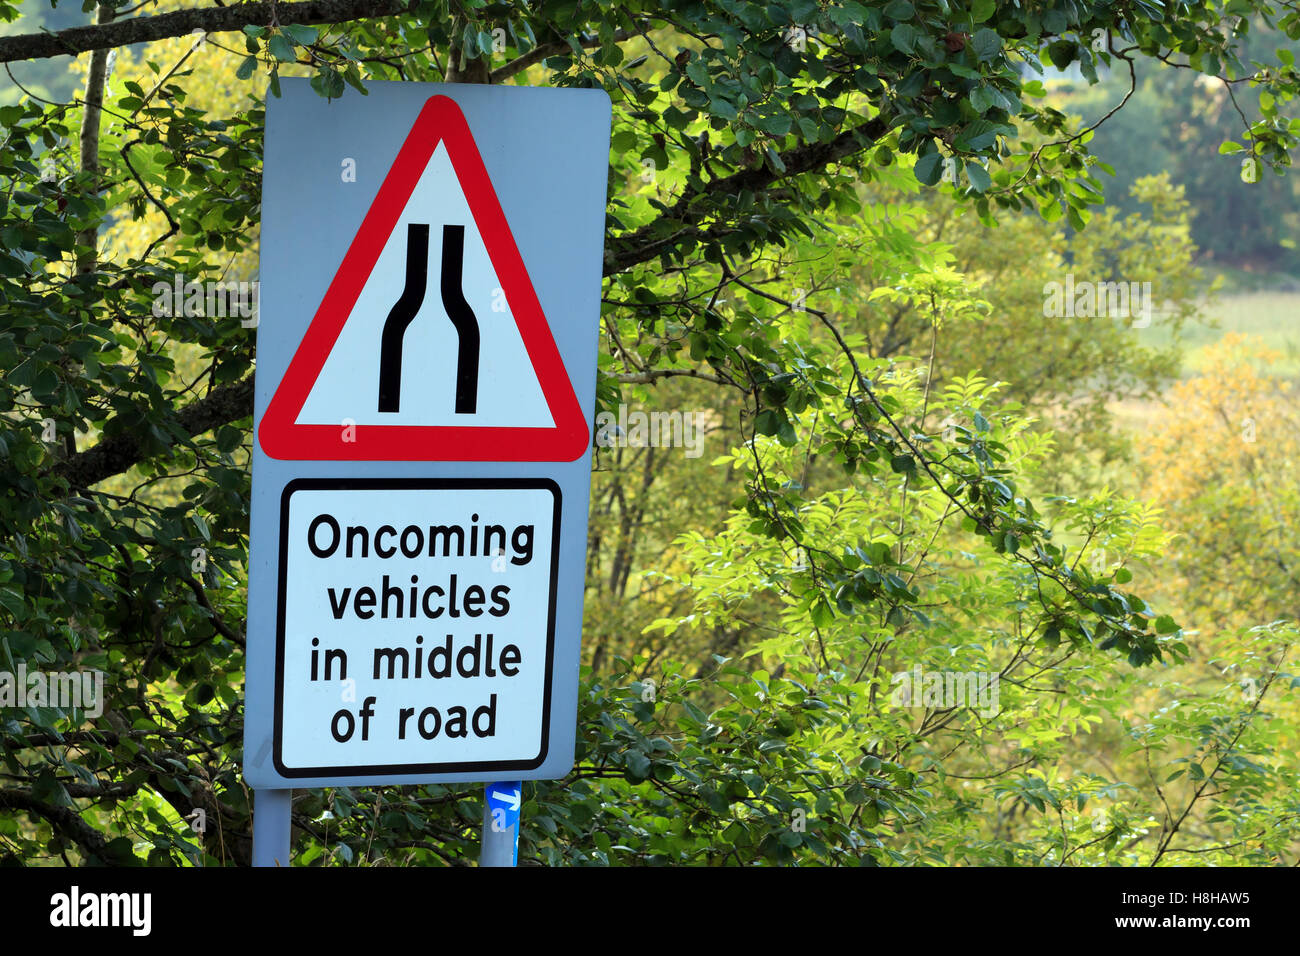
[501, 805]
[271, 827]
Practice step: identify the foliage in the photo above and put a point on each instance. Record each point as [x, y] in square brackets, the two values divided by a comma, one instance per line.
[1249, 221]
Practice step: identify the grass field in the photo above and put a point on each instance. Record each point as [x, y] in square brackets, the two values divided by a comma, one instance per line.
[1272, 317]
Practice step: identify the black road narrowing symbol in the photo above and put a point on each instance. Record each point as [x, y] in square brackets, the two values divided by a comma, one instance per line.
[401, 315]
[462, 317]
[408, 304]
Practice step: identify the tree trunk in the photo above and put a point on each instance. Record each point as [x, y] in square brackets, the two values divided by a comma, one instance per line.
[88, 257]
[460, 69]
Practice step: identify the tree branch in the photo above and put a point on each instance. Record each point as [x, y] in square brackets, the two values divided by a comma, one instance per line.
[642, 244]
[70, 42]
[654, 375]
[63, 819]
[540, 52]
[114, 455]
[522, 62]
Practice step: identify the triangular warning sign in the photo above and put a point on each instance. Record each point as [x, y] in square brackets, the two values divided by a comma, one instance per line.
[430, 343]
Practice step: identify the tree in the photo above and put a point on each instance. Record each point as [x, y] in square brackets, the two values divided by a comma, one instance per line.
[1245, 217]
[1222, 461]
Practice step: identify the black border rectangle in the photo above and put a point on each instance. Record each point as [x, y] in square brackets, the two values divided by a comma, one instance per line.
[475, 768]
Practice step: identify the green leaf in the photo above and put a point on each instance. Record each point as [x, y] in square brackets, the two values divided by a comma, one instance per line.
[982, 99]
[723, 109]
[975, 136]
[767, 422]
[822, 615]
[469, 42]
[778, 125]
[904, 37]
[1061, 53]
[639, 764]
[675, 118]
[1165, 624]
[303, 36]
[979, 177]
[328, 83]
[985, 44]
[698, 73]
[281, 48]
[929, 168]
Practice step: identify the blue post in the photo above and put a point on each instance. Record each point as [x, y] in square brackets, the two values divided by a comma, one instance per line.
[501, 805]
[271, 824]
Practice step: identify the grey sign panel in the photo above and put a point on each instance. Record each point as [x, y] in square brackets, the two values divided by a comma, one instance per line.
[426, 369]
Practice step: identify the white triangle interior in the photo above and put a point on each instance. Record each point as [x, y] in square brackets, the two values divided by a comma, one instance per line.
[508, 393]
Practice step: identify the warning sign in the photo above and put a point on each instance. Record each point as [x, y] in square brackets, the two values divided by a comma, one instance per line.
[430, 298]
[416, 625]
[430, 343]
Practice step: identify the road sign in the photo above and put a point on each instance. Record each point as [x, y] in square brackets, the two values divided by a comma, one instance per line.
[428, 315]
[351, 362]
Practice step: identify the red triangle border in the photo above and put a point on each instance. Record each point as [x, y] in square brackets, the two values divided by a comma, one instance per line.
[281, 437]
